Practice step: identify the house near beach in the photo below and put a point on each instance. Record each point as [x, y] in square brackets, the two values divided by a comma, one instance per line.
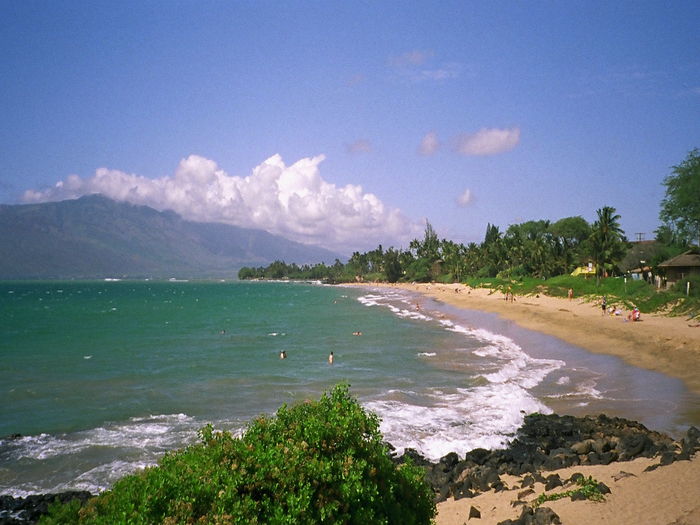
[586, 271]
[681, 267]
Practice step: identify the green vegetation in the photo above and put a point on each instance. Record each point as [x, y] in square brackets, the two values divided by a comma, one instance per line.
[607, 242]
[316, 462]
[680, 208]
[588, 487]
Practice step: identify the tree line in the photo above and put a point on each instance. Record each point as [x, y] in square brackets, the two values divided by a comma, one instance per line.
[540, 249]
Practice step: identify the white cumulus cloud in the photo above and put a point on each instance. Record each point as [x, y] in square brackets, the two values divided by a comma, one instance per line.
[488, 141]
[429, 144]
[464, 198]
[292, 201]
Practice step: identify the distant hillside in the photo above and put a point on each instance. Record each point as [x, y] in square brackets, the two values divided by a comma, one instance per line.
[95, 237]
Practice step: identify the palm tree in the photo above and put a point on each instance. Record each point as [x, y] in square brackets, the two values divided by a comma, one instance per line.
[608, 242]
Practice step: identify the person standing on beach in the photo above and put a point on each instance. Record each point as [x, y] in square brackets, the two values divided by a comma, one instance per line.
[604, 305]
[571, 294]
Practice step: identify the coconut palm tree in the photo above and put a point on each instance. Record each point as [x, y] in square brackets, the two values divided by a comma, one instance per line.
[607, 241]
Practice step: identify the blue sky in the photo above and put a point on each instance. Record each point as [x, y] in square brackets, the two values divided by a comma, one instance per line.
[348, 124]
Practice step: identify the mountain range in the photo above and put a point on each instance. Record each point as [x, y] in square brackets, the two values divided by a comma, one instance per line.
[96, 237]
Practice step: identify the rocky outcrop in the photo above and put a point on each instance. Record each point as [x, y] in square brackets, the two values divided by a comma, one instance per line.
[15, 511]
[547, 443]
[538, 516]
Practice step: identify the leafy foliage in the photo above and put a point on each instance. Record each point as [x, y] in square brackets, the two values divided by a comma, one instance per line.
[607, 241]
[589, 488]
[316, 462]
[680, 208]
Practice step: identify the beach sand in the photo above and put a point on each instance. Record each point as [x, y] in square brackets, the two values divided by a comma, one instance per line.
[669, 495]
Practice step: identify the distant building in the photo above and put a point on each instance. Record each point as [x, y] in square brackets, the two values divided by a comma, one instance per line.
[586, 271]
[681, 267]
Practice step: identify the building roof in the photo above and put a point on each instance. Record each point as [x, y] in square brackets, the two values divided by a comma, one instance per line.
[687, 259]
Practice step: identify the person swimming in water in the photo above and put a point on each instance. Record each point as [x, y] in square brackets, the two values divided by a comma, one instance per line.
[283, 354]
[330, 358]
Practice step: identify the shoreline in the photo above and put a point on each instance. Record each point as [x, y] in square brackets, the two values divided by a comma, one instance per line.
[669, 345]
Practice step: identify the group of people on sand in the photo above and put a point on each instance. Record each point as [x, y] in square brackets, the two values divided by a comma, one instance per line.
[634, 314]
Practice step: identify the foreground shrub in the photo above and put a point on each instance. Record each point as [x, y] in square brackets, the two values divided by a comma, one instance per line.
[316, 462]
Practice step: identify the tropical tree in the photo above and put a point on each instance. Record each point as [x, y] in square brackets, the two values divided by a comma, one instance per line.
[608, 243]
[392, 265]
[493, 252]
[570, 234]
[424, 268]
[430, 247]
[375, 258]
[680, 208]
[453, 258]
[472, 259]
[358, 264]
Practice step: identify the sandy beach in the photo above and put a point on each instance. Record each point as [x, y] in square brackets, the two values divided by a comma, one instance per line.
[668, 495]
[670, 345]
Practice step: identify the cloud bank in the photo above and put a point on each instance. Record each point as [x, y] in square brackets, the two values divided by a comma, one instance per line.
[292, 201]
[488, 141]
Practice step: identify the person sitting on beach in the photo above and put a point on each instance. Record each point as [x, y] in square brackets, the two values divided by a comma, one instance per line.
[634, 315]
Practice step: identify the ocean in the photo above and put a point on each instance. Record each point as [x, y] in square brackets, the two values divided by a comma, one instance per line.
[99, 379]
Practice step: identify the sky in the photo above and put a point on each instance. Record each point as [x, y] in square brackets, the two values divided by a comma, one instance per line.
[351, 124]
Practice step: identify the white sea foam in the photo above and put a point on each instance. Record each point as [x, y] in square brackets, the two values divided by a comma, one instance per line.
[586, 389]
[99, 456]
[427, 354]
[485, 415]
[155, 432]
[460, 421]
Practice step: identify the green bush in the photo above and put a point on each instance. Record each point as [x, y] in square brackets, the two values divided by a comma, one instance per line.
[316, 462]
[681, 286]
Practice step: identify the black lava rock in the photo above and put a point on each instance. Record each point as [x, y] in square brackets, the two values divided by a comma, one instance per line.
[28, 510]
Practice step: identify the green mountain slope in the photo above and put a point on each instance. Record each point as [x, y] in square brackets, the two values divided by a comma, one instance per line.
[95, 237]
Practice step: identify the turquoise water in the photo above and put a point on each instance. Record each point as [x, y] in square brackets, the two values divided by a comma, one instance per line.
[101, 378]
